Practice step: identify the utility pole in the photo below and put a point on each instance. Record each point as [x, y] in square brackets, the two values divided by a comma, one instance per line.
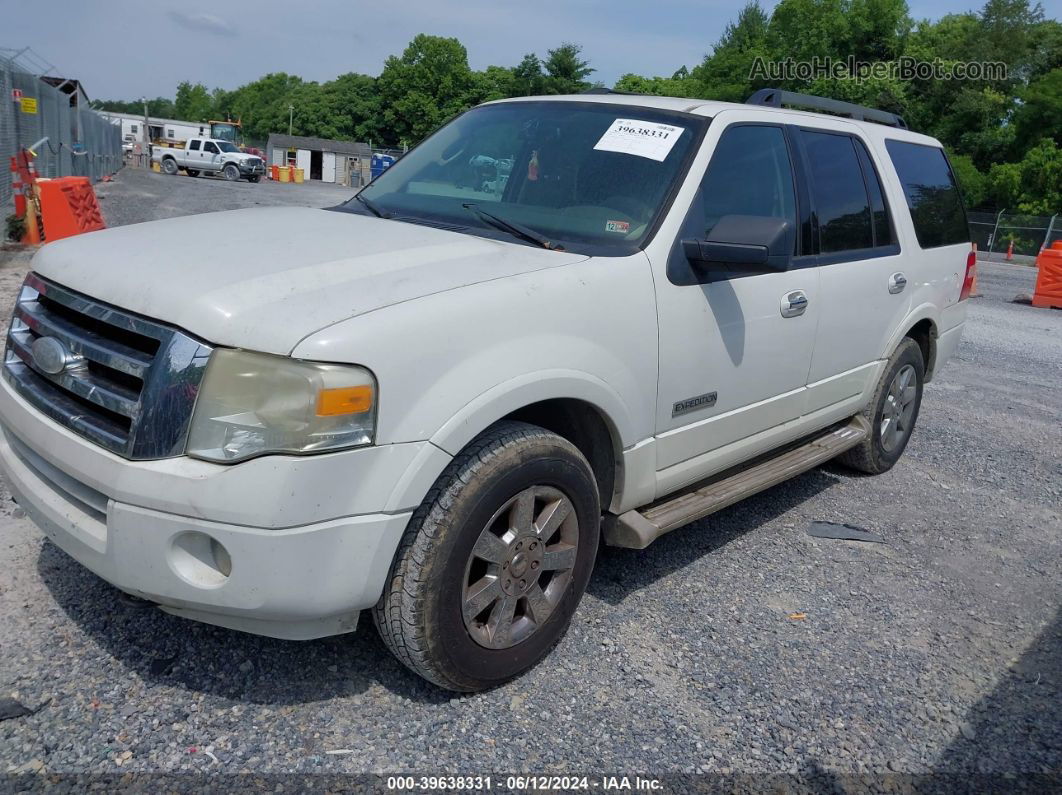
[291, 117]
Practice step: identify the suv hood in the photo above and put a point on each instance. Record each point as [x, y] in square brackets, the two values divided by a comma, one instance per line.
[266, 278]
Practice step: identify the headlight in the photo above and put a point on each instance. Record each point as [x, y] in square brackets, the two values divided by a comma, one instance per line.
[255, 403]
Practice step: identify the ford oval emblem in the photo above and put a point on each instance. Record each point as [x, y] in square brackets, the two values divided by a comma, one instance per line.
[51, 356]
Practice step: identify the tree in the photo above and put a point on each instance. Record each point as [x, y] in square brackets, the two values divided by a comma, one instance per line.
[428, 84]
[566, 71]
[973, 184]
[1040, 114]
[193, 102]
[725, 73]
[528, 78]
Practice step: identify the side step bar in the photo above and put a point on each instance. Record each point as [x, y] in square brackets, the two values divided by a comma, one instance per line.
[639, 528]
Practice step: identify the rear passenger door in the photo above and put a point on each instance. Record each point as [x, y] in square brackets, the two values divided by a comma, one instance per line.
[863, 282]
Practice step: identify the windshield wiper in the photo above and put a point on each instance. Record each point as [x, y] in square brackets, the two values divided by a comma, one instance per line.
[371, 206]
[513, 228]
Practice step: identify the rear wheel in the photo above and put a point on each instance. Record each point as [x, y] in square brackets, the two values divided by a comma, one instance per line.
[169, 165]
[892, 412]
[192, 172]
[231, 172]
[494, 562]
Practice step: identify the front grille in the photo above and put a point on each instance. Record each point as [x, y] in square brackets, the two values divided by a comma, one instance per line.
[125, 382]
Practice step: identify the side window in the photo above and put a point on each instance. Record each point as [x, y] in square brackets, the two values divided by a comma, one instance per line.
[194, 145]
[882, 223]
[169, 133]
[932, 194]
[133, 129]
[839, 193]
[749, 174]
[210, 147]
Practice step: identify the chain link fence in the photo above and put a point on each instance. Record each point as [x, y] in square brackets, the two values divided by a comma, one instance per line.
[994, 234]
[80, 142]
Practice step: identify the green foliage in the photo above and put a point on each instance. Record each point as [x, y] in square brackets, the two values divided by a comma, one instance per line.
[193, 102]
[566, 72]
[972, 183]
[999, 130]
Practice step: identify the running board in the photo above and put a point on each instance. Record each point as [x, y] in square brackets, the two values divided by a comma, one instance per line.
[639, 528]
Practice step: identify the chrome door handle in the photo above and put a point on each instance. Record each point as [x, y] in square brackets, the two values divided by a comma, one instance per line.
[897, 282]
[794, 303]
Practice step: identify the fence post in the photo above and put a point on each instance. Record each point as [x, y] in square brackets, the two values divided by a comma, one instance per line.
[1047, 237]
[992, 240]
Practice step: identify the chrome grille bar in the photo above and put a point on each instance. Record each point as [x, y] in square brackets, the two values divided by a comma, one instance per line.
[127, 383]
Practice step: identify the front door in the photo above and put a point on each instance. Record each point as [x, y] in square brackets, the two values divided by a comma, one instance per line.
[735, 342]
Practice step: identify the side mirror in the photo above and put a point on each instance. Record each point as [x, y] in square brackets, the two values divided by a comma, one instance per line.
[754, 241]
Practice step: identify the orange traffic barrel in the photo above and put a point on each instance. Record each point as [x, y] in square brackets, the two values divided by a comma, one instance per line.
[274, 173]
[285, 173]
[298, 175]
[68, 207]
[1049, 277]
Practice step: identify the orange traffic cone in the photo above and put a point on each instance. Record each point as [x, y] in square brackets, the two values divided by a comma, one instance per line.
[973, 284]
[1010, 251]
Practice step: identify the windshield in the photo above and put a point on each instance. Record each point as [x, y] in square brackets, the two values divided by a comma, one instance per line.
[589, 176]
[225, 146]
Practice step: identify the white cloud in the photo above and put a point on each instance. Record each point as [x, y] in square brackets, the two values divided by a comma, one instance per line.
[203, 23]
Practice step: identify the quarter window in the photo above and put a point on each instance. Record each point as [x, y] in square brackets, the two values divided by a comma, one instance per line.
[750, 174]
[932, 195]
[840, 195]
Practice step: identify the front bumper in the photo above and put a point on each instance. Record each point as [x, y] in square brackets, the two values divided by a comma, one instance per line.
[252, 170]
[151, 528]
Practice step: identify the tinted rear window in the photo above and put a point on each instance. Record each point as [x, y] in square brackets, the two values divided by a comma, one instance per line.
[936, 207]
[841, 200]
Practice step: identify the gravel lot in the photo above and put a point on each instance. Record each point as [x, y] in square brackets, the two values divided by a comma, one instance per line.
[939, 651]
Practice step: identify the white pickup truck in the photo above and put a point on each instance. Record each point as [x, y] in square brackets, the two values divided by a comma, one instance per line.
[210, 156]
[435, 400]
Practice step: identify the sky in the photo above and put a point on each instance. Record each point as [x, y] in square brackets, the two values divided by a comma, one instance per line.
[125, 49]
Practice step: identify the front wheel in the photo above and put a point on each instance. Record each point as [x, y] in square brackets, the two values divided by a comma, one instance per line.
[255, 178]
[891, 413]
[231, 173]
[494, 562]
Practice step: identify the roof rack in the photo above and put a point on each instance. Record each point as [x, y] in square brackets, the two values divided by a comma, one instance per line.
[603, 90]
[776, 98]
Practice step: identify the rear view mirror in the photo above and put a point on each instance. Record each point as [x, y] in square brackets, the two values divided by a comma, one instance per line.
[744, 240]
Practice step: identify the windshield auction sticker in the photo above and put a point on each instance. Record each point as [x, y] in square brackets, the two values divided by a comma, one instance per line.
[641, 138]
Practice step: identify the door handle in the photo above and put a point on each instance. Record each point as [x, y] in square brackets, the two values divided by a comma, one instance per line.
[897, 282]
[794, 303]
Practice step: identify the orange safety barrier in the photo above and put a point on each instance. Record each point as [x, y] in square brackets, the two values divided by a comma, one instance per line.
[274, 173]
[68, 207]
[1049, 277]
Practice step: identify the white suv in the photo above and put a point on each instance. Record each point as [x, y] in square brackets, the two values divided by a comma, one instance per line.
[557, 321]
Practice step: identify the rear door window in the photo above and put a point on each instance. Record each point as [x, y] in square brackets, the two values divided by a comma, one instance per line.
[932, 194]
[194, 146]
[839, 193]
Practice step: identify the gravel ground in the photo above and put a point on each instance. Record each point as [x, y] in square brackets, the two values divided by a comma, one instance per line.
[939, 651]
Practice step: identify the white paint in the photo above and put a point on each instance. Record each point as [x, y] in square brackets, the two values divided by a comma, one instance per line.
[328, 167]
[302, 160]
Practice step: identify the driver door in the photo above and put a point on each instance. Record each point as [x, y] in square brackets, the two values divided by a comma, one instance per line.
[735, 340]
[211, 156]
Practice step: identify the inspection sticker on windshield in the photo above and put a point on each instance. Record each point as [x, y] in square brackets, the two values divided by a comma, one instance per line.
[641, 138]
[618, 226]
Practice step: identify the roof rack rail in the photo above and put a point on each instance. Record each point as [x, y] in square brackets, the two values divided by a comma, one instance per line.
[776, 98]
[603, 90]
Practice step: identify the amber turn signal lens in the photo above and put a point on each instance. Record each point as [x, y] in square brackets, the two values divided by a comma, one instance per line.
[344, 400]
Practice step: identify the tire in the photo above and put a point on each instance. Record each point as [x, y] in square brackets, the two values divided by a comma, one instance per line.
[255, 178]
[891, 413]
[427, 615]
[192, 172]
[169, 166]
[231, 173]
